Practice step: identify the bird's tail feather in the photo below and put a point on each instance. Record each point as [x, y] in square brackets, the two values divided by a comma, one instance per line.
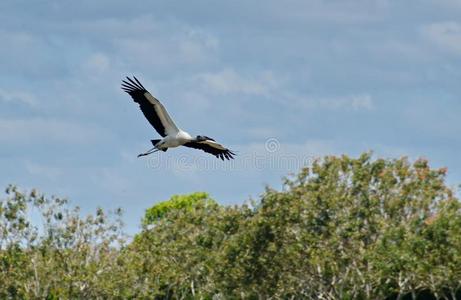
[155, 142]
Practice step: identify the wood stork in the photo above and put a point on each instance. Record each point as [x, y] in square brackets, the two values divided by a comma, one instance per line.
[172, 135]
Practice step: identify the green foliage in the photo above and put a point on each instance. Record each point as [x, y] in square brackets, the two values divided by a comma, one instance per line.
[61, 256]
[342, 229]
[176, 202]
[178, 257]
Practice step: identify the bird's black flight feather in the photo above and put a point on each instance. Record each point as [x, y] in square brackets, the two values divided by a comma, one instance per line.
[136, 90]
[219, 153]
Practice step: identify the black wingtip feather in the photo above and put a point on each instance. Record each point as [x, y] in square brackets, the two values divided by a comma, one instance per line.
[132, 82]
[140, 84]
[137, 92]
[131, 87]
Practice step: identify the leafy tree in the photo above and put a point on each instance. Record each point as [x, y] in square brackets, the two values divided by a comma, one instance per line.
[63, 255]
[351, 228]
[344, 228]
[177, 258]
[176, 202]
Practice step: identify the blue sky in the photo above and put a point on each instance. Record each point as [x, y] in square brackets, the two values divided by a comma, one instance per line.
[280, 82]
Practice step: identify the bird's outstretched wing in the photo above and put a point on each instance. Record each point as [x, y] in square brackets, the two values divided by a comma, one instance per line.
[151, 107]
[210, 146]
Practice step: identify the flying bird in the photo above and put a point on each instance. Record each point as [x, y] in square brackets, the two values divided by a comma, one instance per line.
[172, 135]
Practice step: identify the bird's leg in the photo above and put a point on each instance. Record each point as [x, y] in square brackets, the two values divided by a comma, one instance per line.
[150, 151]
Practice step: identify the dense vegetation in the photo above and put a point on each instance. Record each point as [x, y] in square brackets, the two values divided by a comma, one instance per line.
[342, 229]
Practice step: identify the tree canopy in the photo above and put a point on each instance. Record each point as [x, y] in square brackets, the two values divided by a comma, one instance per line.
[344, 228]
[176, 202]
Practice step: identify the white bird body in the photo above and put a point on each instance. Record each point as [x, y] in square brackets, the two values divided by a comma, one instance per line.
[172, 135]
[174, 140]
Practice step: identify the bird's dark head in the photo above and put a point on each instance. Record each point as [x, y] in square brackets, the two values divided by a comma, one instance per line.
[201, 138]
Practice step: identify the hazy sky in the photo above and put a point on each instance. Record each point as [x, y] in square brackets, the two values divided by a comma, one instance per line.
[280, 82]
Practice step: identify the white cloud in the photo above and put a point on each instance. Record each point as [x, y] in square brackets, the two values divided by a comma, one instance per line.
[196, 45]
[147, 42]
[27, 54]
[17, 97]
[283, 157]
[97, 63]
[195, 101]
[451, 4]
[354, 102]
[50, 172]
[339, 12]
[229, 81]
[111, 179]
[361, 102]
[262, 132]
[446, 35]
[18, 40]
[27, 131]
[163, 51]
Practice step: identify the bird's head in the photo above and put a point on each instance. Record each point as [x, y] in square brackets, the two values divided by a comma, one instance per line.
[201, 138]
